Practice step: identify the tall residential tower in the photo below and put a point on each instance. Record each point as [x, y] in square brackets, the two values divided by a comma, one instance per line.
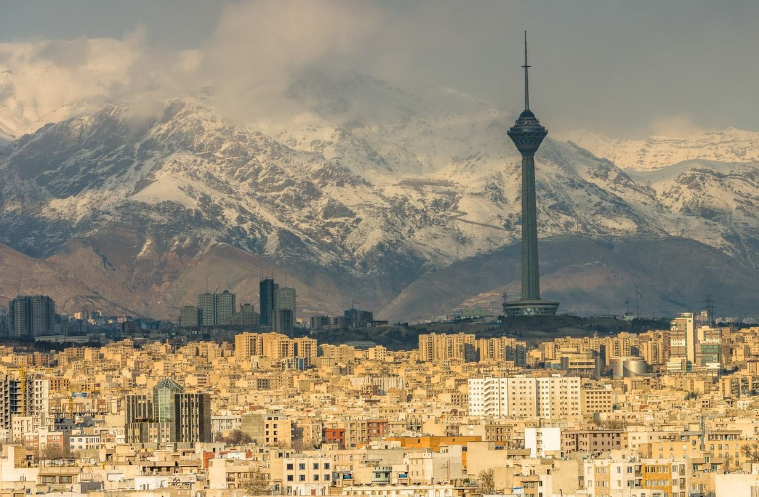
[527, 134]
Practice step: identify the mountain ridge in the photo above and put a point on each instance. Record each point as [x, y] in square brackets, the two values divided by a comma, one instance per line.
[359, 209]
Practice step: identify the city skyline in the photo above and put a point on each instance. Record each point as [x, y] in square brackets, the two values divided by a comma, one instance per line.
[288, 248]
[216, 154]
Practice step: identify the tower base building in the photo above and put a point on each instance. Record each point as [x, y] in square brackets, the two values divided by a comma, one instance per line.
[528, 307]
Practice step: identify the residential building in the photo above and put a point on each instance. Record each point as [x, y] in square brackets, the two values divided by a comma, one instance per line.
[31, 316]
[190, 316]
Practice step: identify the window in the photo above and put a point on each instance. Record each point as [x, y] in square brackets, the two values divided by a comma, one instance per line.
[316, 477]
[302, 466]
[302, 478]
[289, 466]
[290, 478]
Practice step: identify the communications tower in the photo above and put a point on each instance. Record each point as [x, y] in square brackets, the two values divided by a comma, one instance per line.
[527, 134]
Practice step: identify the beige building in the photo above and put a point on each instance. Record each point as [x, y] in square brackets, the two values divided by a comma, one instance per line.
[596, 400]
[274, 346]
[268, 429]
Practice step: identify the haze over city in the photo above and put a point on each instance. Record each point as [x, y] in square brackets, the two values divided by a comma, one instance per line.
[379, 248]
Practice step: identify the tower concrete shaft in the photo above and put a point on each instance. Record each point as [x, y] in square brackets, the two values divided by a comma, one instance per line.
[527, 134]
[530, 268]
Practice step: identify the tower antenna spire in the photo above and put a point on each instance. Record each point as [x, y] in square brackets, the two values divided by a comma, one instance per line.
[526, 80]
[527, 134]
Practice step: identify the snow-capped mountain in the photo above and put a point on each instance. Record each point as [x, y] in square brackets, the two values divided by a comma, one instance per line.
[354, 188]
[656, 152]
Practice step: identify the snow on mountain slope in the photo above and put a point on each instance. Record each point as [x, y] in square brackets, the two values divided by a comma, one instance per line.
[9, 126]
[356, 186]
[724, 195]
[730, 145]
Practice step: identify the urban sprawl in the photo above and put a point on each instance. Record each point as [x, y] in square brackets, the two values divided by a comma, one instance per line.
[663, 413]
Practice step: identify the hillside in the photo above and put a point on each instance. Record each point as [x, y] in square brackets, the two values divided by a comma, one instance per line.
[355, 190]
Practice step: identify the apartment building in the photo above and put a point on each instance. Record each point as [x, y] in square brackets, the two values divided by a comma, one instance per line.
[275, 346]
[549, 398]
[636, 477]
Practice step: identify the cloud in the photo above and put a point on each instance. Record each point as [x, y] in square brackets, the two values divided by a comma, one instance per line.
[48, 80]
[256, 50]
[264, 42]
[261, 46]
[677, 126]
[613, 67]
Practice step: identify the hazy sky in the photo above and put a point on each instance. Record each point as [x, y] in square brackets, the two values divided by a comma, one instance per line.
[614, 66]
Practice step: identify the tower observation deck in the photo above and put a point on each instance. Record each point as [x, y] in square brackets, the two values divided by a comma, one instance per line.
[527, 134]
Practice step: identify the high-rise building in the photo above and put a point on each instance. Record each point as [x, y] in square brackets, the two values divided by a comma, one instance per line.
[266, 288]
[207, 306]
[25, 396]
[527, 134]
[559, 397]
[339, 322]
[192, 417]
[435, 347]
[190, 316]
[357, 317]
[169, 415]
[247, 318]
[31, 315]
[556, 397]
[502, 349]
[217, 309]
[3, 325]
[139, 413]
[284, 310]
[682, 338]
[488, 397]
[129, 328]
[709, 354]
[6, 409]
[275, 346]
[225, 307]
[284, 321]
[320, 322]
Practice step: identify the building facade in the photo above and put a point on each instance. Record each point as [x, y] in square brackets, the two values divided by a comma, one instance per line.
[169, 415]
[31, 315]
[266, 289]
